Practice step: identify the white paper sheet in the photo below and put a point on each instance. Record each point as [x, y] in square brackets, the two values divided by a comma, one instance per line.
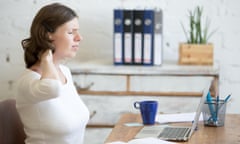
[180, 117]
[148, 140]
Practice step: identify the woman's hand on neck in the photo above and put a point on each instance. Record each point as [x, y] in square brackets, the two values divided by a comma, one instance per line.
[49, 69]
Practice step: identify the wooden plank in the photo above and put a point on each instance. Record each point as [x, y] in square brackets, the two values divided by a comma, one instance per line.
[132, 93]
[168, 69]
[128, 83]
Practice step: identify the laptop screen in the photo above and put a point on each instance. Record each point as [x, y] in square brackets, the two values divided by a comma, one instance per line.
[199, 109]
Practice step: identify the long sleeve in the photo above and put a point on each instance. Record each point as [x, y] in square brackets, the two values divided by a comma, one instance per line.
[33, 89]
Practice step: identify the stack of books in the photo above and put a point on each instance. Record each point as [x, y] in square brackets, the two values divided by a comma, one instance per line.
[138, 36]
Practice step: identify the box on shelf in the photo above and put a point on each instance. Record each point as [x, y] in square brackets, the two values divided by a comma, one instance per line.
[196, 54]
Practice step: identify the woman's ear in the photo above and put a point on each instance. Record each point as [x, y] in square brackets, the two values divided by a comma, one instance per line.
[50, 36]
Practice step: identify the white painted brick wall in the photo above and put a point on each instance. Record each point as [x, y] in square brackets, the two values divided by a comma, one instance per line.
[96, 28]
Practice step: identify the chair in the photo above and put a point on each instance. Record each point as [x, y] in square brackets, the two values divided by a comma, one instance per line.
[11, 127]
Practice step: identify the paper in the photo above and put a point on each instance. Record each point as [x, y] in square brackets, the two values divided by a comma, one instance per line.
[133, 124]
[181, 117]
[148, 140]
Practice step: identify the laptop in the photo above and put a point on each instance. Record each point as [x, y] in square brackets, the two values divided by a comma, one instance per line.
[174, 133]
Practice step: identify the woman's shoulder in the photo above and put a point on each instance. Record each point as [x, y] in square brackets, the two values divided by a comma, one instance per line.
[26, 76]
[29, 74]
[65, 69]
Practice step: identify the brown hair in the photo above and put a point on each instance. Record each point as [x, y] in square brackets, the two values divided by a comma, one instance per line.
[47, 20]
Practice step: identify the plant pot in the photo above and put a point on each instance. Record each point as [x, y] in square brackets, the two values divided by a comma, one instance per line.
[195, 54]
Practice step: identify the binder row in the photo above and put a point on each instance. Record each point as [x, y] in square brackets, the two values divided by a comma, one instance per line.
[138, 37]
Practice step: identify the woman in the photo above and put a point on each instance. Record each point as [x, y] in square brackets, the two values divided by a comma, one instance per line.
[49, 106]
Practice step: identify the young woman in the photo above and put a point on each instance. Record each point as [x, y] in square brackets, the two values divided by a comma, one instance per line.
[47, 101]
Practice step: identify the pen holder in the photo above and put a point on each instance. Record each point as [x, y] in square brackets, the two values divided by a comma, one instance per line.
[214, 113]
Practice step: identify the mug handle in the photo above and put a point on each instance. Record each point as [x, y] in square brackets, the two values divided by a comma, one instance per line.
[136, 105]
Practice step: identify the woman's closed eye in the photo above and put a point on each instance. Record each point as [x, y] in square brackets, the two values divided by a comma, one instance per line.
[73, 32]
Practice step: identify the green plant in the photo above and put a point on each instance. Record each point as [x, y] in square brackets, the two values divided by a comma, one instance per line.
[197, 33]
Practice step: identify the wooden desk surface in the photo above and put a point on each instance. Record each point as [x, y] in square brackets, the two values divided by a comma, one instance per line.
[228, 134]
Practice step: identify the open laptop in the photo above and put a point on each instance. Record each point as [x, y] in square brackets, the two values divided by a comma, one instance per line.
[174, 133]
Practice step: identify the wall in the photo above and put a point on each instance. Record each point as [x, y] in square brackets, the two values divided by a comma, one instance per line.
[96, 29]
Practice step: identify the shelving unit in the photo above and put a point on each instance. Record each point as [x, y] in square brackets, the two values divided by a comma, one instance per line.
[107, 79]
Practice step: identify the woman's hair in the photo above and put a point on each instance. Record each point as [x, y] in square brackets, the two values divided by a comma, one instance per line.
[47, 20]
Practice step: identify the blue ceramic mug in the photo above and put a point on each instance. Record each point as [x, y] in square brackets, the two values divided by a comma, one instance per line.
[148, 111]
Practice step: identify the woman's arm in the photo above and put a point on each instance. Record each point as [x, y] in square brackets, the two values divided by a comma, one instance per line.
[48, 68]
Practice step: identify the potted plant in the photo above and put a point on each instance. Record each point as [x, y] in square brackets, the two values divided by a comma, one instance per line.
[197, 49]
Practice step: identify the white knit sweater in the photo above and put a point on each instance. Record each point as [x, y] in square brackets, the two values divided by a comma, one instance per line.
[51, 112]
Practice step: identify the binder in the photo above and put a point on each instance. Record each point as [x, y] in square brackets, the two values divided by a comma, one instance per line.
[137, 36]
[158, 36]
[127, 37]
[118, 36]
[148, 31]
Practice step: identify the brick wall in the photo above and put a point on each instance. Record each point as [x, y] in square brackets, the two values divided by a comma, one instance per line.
[96, 29]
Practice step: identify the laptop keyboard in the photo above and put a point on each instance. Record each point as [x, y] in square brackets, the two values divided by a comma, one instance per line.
[174, 133]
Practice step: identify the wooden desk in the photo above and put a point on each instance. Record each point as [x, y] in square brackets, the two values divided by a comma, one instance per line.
[228, 134]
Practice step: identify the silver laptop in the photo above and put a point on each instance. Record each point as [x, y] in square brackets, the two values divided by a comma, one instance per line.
[174, 133]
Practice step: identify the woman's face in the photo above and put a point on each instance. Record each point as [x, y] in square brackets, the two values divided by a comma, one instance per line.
[66, 40]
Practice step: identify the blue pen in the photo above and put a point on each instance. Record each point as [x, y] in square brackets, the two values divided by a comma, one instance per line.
[210, 106]
[227, 98]
[217, 107]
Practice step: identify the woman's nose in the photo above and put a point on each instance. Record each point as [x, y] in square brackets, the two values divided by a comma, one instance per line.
[78, 37]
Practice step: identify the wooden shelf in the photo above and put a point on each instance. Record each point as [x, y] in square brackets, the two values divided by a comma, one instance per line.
[128, 72]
